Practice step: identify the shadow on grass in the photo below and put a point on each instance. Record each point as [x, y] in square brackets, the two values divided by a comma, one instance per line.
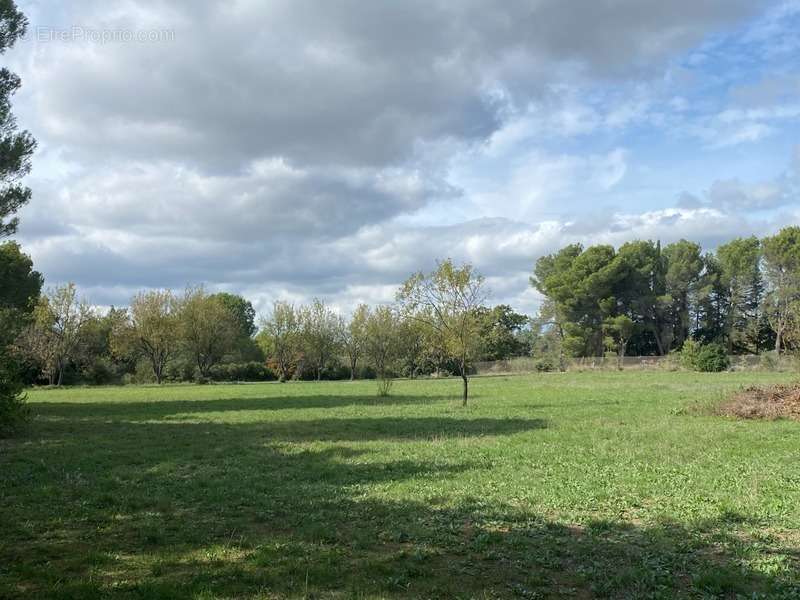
[92, 509]
[132, 411]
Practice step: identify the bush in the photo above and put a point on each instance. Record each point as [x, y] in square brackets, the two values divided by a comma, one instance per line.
[248, 371]
[384, 386]
[545, 364]
[14, 412]
[706, 358]
[712, 358]
[687, 357]
[100, 372]
[175, 371]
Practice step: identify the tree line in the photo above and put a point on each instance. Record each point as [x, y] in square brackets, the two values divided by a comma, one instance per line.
[439, 324]
[646, 299]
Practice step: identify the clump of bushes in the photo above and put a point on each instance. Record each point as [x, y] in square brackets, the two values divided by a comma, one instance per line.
[546, 364]
[247, 371]
[14, 412]
[706, 358]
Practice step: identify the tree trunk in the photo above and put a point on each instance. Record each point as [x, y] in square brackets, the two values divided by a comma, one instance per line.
[778, 340]
[466, 388]
[659, 343]
[353, 365]
[60, 375]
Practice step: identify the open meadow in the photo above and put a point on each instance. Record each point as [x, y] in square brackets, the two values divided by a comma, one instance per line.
[554, 485]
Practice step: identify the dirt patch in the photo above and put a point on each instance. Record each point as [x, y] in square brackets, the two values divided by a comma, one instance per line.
[772, 402]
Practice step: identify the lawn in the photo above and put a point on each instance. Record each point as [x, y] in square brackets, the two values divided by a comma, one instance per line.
[555, 485]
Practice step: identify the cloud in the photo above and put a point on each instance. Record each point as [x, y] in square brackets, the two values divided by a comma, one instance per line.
[297, 148]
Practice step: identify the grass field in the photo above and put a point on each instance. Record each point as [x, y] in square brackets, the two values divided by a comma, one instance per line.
[576, 485]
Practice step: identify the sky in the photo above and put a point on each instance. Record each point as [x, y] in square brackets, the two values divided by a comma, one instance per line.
[294, 149]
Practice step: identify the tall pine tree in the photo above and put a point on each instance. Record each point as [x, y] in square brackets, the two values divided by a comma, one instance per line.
[16, 147]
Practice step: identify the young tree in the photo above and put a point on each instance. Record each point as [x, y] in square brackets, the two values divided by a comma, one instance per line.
[447, 300]
[321, 332]
[53, 339]
[209, 329]
[152, 330]
[621, 329]
[16, 147]
[353, 334]
[782, 270]
[280, 337]
[382, 341]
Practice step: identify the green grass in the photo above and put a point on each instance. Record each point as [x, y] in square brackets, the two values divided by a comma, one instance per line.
[577, 485]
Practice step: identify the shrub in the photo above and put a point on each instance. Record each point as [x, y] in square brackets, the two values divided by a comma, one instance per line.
[176, 371]
[99, 372]
[248, 371]
[712, 358]
[687, 357]
[384, 386]
[706, 358]
[545, 364]
[14, 412]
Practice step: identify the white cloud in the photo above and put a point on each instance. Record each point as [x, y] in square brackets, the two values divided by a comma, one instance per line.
[295, 148]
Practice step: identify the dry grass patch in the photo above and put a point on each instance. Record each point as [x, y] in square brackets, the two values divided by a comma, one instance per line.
[771, 402]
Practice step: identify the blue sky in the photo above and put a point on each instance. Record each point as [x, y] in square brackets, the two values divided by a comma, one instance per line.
[292, 149]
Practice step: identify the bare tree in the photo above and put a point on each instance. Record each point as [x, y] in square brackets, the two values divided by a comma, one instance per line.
[446, 300]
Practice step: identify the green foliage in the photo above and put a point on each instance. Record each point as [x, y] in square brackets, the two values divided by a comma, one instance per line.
[712, 358]
[446, 301]
[546, 364]
[16, 147]
[14, 413]
[250, 371]
[19, 290]
[706, 358]
[381, 344]
[55, 338]
[742, 290]
[241, 310]
[320, 335]
[739, 296]
[782, 272]
[150, 331]
[500, 333]
[280, 338]
[687, 356]
[20, 285]
[209, 328]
